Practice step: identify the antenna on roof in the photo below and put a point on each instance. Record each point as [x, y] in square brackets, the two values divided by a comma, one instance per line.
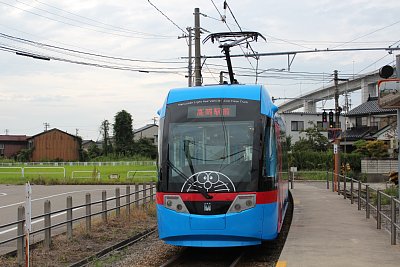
[231, 39]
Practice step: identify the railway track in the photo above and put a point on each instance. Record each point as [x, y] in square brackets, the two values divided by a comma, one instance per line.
[121, 245]
[207, 257]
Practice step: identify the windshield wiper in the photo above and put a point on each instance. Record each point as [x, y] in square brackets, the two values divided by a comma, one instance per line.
[184, 176]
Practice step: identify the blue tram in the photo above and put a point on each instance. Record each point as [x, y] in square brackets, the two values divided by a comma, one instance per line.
[222, 167]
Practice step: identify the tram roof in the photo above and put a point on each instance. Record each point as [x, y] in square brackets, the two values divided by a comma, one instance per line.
[238, 91]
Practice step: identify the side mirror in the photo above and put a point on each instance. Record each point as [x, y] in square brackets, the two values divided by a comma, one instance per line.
[389, 94]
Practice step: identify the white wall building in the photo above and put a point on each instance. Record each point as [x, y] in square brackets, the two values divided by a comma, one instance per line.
[296, 122]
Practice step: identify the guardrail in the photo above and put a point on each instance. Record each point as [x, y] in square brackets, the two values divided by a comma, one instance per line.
[139, 197]
[383, 205]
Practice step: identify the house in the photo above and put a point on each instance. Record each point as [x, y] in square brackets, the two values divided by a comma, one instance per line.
[54, 145]
[10, 145]
[297, 122]
[370, 122]
[149, 131]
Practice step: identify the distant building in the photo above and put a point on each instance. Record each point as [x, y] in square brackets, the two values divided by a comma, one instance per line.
[86, 144]
[10, 145]
[370, 122]
[149, 131]
[54, 145]
[297, 122]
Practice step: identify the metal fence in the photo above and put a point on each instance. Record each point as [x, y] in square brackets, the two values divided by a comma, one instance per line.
[383, 207]
[140, 196]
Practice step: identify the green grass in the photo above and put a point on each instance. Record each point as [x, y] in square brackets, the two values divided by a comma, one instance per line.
[311, 175]
[82, 175]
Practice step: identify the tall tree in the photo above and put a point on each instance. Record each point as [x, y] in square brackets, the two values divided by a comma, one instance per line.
[123, 132]
[105, 132]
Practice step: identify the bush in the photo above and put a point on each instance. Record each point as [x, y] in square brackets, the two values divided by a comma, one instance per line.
[313, 160]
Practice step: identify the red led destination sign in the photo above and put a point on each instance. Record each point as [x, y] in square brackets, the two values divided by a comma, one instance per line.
[211, 111]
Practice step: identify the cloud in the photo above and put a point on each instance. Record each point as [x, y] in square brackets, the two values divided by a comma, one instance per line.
[73, 96]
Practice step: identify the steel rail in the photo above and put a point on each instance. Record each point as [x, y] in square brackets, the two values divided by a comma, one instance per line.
[123, 244]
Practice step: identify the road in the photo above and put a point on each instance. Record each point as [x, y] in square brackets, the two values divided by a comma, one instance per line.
[12, 196]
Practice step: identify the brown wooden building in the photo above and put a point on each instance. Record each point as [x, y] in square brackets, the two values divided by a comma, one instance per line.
[54, 145]
[10, 145]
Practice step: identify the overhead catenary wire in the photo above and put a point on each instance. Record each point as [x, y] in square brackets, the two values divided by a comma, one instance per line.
[162, 13]
[367, 34]
[10, 37]
[114, 67]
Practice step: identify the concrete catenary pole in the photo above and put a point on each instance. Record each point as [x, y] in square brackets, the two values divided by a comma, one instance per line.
[398, 128]
[197, 53]
[190, 78]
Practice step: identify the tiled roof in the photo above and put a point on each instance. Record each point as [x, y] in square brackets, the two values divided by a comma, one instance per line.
[13, 138]
[358, 133]
[370, 107]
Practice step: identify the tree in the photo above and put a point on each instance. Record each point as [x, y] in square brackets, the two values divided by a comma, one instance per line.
[104, 130]
[123, 133]
[94, 151]
[372, 149]
[145, 147]
[314, 141]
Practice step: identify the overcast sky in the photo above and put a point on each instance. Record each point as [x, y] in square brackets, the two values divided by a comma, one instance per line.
[72, 96]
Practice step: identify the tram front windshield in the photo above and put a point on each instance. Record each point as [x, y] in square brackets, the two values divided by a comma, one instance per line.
[213, 153]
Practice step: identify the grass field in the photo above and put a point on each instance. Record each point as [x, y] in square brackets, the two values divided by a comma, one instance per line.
[77, 174]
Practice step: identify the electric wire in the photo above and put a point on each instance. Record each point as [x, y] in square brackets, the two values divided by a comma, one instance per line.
[114, 67]
[362, 36]
[79, 26]
[162, 13]
[118, 28]
[10, 37]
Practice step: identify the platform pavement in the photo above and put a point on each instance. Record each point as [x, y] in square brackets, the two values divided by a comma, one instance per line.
[328, 230]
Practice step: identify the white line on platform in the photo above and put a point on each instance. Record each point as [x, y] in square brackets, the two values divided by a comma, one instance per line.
[3, 194]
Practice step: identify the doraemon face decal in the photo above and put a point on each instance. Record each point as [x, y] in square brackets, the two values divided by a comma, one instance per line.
[211, 181]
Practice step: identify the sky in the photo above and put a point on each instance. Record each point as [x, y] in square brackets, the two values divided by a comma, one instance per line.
[141, 37]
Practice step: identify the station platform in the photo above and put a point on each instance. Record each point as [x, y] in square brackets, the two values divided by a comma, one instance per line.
[328, 230]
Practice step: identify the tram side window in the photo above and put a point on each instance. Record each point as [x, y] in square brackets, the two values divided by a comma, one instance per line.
[270, 160]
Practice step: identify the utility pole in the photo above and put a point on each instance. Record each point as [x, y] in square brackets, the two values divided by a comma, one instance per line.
[398, 128]
[190, 78]
[46, 126]
[197, 53]
[6, 131]
[76, 132]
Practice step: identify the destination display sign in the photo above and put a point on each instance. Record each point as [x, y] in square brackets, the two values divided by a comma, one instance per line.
[217, 111]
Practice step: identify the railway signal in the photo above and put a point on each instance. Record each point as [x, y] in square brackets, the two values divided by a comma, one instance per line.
[331, 122]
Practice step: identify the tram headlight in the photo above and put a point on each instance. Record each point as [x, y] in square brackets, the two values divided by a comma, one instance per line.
[174, 202]
[242, 202]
